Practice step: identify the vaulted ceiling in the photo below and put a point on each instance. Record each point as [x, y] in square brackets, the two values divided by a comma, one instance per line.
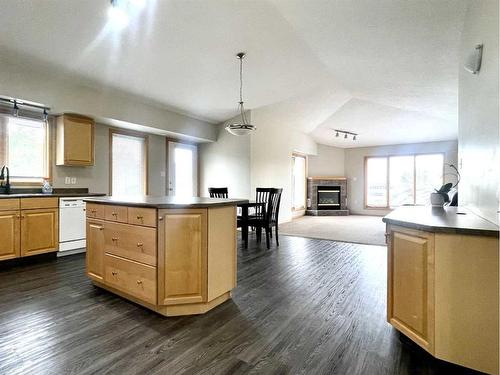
[385, 69]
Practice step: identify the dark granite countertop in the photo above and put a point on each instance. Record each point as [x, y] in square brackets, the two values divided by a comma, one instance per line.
[443, 220]
[167, 201]
[57, 193]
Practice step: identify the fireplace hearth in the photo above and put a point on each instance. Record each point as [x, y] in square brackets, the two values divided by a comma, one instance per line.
[327, 196]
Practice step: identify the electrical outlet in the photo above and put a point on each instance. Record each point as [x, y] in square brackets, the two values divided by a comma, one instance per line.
[67, 181]
[73, 180]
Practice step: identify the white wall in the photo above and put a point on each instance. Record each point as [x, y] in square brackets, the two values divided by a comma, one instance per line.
[355, 168]
[479, 151]
[328, 162]
[226, 163]
[96, 178]
[62, 93]
[272, 146]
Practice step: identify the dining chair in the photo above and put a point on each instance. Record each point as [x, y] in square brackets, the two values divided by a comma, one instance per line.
[268, 217]
[218, 192]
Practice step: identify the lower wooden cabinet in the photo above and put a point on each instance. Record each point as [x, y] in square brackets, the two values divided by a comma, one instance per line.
[411, 285]
[182, 274]
[39, 231]
[31, 229]
[10, 235]
[443, 293]
[95, 249]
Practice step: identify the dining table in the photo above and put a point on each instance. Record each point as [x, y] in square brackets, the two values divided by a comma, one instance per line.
[243, 219]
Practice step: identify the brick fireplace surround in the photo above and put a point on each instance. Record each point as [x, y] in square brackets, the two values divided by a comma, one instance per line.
[312, 195]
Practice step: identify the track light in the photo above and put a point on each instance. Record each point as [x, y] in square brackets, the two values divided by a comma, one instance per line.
[16, 109]
[346, 134]
[45, 115]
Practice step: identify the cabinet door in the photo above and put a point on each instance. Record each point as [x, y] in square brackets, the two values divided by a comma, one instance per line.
[182, 256]
[39, 231]
[95, 249]
[75, 142]
[411, 285]
[9, 234]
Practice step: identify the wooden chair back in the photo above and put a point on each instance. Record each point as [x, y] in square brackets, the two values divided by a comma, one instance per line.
[218, 192]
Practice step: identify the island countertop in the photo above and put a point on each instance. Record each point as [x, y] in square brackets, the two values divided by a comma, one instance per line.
[457, 220]
[166, 201]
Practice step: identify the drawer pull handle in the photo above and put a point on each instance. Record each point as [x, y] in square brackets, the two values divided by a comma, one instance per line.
[114, 238]
[139, 282]
[140, 244]
[114, 273]
[101, 228]
[114, 214]
[93, 211]
[140, 217]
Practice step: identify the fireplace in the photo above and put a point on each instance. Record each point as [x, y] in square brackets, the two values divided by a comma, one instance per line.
[329, 197]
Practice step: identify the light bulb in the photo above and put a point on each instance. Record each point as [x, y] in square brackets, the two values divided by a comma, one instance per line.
[345, 136]
[337, 134]
[354, 138]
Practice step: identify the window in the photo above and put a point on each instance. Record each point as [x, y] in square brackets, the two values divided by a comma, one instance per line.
[128, 163]
[393, 181]
[25, 149]
[299, 182]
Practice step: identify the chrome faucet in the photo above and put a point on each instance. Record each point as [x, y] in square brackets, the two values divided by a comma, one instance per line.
[4, 180]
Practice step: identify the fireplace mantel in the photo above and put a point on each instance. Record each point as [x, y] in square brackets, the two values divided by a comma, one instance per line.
[312, 195]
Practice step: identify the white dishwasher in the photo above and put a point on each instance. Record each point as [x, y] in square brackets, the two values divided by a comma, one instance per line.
[71, 225]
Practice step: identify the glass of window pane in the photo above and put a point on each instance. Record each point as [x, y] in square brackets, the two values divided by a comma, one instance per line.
[401, 180]
[128, 165]
[26, 149]
[429, 175]
[183, 172]
[299, 181]
[376, 182]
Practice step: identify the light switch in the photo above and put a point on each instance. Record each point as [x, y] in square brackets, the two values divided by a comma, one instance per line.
[67, 181]
[73, 180]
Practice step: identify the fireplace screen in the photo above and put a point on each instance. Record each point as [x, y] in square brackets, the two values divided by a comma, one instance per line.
[329, 198]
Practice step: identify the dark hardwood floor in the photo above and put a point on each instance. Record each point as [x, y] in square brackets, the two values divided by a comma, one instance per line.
[308, 307]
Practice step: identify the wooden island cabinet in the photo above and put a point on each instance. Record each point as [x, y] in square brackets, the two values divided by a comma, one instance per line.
[174, 257]
[443, 283]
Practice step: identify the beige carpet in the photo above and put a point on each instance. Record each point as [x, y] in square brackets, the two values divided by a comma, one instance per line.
[353, 228]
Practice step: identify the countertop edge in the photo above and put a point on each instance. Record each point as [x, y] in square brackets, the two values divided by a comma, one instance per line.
[166, 205]
[442, 229]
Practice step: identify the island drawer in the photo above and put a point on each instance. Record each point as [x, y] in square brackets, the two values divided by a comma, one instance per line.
[9, 204]
[115, 213]
[136, 279]
[31, 203]
[95, 211]
[131, 242]
[142, 216]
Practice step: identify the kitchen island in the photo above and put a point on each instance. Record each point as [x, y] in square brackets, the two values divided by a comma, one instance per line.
[176, 256]
[442, 283]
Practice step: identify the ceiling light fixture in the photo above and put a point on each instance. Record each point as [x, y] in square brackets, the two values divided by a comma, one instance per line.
[45, 115]
[242, 127]
[346, 134]
[117, 14]
[16, 109]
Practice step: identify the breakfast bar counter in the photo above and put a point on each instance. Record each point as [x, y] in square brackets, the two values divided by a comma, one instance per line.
[176, 256]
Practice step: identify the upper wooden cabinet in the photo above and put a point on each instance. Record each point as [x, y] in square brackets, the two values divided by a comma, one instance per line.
[75, 140]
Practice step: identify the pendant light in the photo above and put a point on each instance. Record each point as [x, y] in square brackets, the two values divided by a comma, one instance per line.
[241, 127]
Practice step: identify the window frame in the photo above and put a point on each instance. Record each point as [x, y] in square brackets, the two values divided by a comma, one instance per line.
[130, 133]
[387, 157]
[17, 181]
